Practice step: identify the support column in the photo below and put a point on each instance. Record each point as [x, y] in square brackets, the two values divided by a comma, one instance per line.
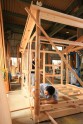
[61, 71]
[43, 67]
[37, 73]
[67, 71]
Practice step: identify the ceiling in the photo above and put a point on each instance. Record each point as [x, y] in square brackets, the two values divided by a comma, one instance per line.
[14, 17]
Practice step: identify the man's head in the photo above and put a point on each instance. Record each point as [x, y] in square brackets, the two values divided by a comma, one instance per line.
[49, 90]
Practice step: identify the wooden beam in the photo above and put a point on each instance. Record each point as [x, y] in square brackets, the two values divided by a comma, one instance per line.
[59, 113]
[71, 47]
[75, 49]
[32, 37]
[44, 67]
[27, 32]
[45, 51]
[60, 41]
[52, 120]
[54, 16]
[60, 54]
[53, 75]
[67, 71]
[61, 71]
[37, 73]
[2, 48]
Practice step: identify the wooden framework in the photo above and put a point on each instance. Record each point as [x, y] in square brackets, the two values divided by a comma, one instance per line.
[70, 97]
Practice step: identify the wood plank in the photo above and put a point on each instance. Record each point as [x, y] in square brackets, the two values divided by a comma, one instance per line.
[60, 54]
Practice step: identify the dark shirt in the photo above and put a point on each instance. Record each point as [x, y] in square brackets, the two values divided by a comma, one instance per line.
[33, 66]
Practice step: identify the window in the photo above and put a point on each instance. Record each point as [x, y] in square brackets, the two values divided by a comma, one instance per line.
[58, 47]
[56, 62]
[14, 61]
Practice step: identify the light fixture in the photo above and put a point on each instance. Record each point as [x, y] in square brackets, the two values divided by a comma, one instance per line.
[67, 32]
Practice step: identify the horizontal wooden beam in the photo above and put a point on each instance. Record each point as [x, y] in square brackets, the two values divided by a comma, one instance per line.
[61, 41]
[53, 75]
[58, 17]
[45, 51]
[75, 49]
[70, 47]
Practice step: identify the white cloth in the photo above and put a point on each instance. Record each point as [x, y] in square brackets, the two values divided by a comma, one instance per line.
[32, 79]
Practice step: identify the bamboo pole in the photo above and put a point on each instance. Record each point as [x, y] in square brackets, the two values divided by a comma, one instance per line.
[37, 74]
[5, 117]
[60, 54]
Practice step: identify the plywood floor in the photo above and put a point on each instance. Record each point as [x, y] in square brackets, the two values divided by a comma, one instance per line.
[19, 100]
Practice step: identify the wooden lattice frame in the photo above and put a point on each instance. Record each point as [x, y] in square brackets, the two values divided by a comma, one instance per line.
[42, 13]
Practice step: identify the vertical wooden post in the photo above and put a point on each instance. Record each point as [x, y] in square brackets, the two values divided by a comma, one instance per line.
[44, 67]
[30, 67]
[2, 33]
[18, 62]
[61, 71]
[28, 64]
[22, 71]
[5, 117]
[37, 73]
[67, 71]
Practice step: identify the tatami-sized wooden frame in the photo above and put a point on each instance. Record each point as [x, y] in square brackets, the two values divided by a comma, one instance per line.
[68, 105]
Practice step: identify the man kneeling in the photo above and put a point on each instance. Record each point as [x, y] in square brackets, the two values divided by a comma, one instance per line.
[48, 92]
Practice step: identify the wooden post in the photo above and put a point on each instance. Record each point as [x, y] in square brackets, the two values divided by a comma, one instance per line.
[37, 73]
[30, 67]
[22, 71]
[2, 35]
[28, 64]
[5, 117]
[61, 71]
[44, 67]
[67, 71]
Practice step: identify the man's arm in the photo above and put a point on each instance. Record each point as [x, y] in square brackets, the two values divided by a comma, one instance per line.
[49, 101]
